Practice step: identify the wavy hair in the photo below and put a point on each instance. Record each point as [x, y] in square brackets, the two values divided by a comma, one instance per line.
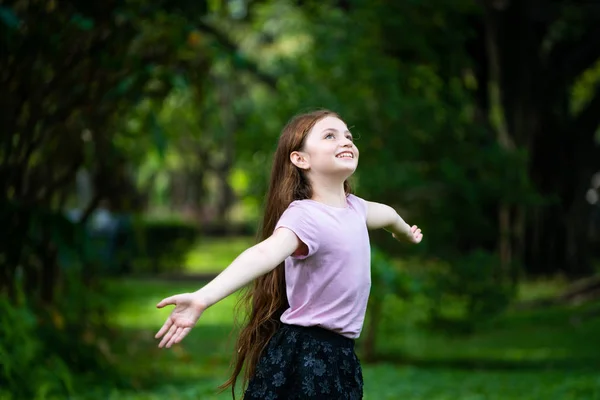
[265, 300]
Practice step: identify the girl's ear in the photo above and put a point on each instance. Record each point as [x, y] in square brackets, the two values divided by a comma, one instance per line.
[299, 159]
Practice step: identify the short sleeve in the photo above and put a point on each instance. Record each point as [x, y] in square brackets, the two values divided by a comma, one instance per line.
[299, 220]
[359, 205]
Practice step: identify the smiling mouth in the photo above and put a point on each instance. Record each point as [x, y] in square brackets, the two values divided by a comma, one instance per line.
[345, 154]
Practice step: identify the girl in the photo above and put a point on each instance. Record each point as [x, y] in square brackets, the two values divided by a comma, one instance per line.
[311, 272]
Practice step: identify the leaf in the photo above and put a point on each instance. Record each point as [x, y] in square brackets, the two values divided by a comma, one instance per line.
[58, 320]
[124, 85]
[82, 22]
[9, 18]
[179, 81]
[158, 135]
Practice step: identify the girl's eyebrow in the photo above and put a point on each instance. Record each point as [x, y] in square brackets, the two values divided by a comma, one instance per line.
[334, 130]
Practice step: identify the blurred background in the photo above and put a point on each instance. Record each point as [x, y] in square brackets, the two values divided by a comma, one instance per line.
[135, 151]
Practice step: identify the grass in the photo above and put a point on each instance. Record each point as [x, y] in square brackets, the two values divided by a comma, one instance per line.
[545, 354]
[542, 354]
[212, 255]
[541, 288]
[550, 339]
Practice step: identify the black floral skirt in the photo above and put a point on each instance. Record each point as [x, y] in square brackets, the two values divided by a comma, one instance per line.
[307, 363]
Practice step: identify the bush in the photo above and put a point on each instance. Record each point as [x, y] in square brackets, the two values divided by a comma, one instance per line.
[51, 351]
[387, 279]
[133, 245]
[467, 291]
[162, 245]
[27, 370]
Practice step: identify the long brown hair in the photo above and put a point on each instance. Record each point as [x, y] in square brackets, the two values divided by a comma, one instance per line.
[265, 300]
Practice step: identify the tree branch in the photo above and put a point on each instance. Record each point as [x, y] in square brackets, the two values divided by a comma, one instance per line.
[588, 120]
[61, 181]
[229, 45]
[87, 213]
[596, 156]
[574, 57]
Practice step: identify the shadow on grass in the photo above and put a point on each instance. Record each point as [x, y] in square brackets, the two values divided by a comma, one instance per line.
[490, 364]
[202, 357]
[205, 355]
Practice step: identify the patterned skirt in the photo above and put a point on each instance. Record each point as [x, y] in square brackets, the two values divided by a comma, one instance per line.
[307, 363]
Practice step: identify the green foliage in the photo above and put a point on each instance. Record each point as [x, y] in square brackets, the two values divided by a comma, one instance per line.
[51, 305]
[584, 89]
[387, 281]
[53, 350]
[409, 104]
[9, 18]
[387, 278]
[162, 245]
[75, 71]
[466, 292]
[457, 297]
[28, 371]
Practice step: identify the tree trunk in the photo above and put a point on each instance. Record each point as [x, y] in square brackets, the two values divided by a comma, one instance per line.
[371, 330]
[49, 276]
[497, 118]
[534, 92]
[561, 169]
[226, 194]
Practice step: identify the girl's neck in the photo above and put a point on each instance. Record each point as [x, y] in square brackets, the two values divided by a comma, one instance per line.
[330, 194]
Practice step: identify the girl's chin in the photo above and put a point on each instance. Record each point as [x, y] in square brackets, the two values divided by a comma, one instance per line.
[346, 162]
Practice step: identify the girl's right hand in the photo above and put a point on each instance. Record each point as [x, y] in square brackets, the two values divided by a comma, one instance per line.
[184, 316]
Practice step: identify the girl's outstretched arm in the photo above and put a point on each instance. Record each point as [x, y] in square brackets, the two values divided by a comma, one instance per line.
[252, 263]
[383, 216]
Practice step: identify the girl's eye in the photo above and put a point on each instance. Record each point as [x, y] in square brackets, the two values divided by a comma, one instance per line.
[350, 138]
[329, 135]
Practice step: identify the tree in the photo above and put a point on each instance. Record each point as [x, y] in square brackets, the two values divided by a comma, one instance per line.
[512, 66]
[533, 55]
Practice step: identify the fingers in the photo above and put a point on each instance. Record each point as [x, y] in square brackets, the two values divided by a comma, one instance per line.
[183, 334]
[418, 236]
[416, 232]
[164, 328]
[167, 301]
[175, 336]
[167, 338]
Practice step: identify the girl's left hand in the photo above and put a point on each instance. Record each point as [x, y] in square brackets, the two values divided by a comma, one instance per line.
[415, 235]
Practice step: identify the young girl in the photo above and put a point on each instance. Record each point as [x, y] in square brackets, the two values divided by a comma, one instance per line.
[311, 272]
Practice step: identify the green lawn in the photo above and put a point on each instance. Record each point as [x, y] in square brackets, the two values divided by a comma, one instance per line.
[545, 354]
[212, 255]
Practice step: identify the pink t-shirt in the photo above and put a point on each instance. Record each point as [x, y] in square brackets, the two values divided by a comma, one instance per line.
[329, 287]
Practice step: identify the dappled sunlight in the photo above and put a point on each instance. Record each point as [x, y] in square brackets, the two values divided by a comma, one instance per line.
[212, 255]
[540, 289]
[534, 354]
[138, 310]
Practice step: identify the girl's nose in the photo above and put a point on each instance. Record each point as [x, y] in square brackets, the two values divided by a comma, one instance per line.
[346, 142]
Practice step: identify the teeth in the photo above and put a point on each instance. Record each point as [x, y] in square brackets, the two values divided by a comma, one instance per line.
[345, 155]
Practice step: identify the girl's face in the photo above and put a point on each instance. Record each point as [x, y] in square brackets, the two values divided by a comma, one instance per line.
[328, 150]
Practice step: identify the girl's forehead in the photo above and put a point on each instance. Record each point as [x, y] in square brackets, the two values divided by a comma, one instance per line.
[329, 123]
